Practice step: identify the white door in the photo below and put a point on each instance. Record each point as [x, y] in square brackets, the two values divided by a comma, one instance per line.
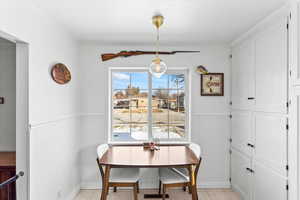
[22, 149]
[243, 75]
[271, 141]
[241, 131]
[268, 184]
[241, 177]
[271, 69]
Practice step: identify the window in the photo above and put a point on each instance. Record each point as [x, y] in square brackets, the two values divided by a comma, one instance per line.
[144, 107]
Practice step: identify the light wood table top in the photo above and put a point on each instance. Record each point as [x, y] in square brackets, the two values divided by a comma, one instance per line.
[7, 159]
[138, 156]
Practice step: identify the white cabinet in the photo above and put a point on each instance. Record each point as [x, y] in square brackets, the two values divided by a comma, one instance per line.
[241, 178]
[243, 75]
[260, 70]
[271, 69]
[259, 129]
[255, 180]
[241, 131]
[268, 184]
[271, 141]
[294, 43]
[293, 144]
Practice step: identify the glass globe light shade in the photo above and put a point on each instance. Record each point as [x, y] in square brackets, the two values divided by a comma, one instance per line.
[158, 67]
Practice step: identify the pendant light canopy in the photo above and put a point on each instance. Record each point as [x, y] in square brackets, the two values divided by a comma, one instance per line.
[157, 67]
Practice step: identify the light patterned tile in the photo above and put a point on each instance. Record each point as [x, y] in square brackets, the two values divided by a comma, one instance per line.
[203, 195]
[175, 194]
[222, 195]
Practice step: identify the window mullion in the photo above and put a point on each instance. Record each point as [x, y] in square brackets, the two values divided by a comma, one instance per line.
[150, 135]
[168, 107]
[130, 110]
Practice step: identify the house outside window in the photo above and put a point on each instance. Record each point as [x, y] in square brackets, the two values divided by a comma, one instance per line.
[143, 107]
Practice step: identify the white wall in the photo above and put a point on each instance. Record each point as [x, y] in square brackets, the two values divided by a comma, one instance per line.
[8, 91]
[210, 121]
[53, 108]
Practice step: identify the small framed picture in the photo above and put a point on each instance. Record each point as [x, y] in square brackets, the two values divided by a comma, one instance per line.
[212, 84]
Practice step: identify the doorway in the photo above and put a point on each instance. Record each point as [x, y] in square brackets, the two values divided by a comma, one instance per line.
[14, 132]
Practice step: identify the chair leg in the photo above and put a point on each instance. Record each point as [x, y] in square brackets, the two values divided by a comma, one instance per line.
[101, 195]
[138, 187]
[190, 189]
[135, 191]
[107, 190]
[115, 189]
[164, 192]
[159, 189]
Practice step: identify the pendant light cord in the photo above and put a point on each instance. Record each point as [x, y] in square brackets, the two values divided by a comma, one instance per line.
[157, 43]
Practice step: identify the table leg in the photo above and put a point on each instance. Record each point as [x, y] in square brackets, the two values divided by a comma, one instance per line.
[105, 186]
[193, 185]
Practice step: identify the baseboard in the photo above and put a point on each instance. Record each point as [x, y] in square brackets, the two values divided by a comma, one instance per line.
[90, 186]
[238, 190]
[204, 185]
[214, 185]
[74, 193]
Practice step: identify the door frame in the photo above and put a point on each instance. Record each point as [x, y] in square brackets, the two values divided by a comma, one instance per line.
[22, 114]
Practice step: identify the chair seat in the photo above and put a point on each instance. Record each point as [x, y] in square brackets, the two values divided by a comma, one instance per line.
[182, 171]
[168, 176]
[124, 175]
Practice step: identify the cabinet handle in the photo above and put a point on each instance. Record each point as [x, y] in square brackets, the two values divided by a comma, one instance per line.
[250, 145]
[250, 170]
[251, 98]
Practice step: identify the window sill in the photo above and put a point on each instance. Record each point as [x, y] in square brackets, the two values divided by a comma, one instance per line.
[140, 143]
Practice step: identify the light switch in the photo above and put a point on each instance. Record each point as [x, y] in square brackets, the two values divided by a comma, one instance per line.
[1, 100]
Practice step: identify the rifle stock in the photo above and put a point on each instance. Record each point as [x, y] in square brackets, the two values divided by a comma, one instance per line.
[109, 56]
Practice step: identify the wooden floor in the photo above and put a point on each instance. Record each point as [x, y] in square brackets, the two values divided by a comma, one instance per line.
[176, 194]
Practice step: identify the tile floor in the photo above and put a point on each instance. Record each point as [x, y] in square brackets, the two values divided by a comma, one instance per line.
[175, 194]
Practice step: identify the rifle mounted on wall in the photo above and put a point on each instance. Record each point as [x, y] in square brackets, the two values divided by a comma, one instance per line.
[125, 54]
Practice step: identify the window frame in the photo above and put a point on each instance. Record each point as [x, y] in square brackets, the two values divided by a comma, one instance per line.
[187, 106]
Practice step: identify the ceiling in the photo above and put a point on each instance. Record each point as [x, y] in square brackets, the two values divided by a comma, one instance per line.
[186, 21]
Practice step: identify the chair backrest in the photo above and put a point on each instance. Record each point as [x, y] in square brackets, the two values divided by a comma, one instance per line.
[196, 149]
[101, 149]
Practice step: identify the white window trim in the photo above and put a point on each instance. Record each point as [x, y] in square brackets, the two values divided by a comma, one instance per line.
[188, 84]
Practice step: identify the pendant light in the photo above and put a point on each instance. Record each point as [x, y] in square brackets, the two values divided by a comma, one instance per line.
[157, 67]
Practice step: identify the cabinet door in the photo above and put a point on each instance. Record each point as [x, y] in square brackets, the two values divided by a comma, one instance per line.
[241, 131]
[268, 184]
[294, 42]
[241, 179]
[271, 69]
[243, 75]
[293, 144]
[271, 141]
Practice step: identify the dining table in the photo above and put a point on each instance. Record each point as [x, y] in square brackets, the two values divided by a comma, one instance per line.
[166, 156]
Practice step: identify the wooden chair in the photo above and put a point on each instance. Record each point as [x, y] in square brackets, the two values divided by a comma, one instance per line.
[119, 177]
[178, 177]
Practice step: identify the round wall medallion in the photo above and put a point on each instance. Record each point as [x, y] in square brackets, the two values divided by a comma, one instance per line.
[60, 73]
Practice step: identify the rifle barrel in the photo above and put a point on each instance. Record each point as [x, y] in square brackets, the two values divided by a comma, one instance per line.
[164, 52]
[186, 51]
